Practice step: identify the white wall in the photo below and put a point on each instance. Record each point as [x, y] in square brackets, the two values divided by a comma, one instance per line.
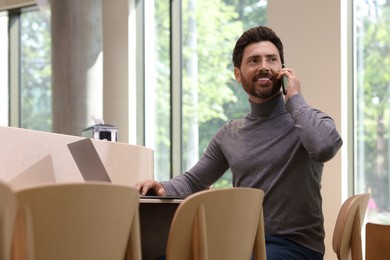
[311, 34]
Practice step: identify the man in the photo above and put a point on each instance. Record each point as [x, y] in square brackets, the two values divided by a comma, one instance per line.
[280, 146]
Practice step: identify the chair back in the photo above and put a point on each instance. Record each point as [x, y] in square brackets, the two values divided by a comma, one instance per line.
[377, 241]
[78, 221]
[7, 218]
[218, 224]
[347, 241]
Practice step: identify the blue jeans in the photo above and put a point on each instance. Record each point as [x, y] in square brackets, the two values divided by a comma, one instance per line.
[281, 248]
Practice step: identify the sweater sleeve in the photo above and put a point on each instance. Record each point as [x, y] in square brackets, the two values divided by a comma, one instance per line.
[317, 130]
[210, 167]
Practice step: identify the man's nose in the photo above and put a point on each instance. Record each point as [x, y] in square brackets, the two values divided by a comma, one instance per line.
[263, 69]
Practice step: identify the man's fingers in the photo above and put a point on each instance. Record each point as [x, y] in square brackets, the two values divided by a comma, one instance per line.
[150, 186]
[161, 191]
[142, 187]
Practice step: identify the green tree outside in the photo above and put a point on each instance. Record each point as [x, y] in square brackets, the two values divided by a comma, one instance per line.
[373, 95]
[35, 66]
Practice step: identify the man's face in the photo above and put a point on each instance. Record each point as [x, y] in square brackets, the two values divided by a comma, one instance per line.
[259, 69]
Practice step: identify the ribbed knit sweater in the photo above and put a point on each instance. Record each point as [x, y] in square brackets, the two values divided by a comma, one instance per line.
[279, 147]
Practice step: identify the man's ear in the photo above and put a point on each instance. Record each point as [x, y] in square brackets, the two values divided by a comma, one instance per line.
[237, 74]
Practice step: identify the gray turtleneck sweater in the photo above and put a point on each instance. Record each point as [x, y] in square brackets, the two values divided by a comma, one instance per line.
[279, 147]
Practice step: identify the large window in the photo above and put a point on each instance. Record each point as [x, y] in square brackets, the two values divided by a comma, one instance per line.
[372, 105]
[25, 68]
[35, 69]
[208, 93]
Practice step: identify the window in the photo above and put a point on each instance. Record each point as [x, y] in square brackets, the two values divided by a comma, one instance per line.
[35, 69]
[372, 105]
[208, 93]
[28, 98]
[158, 85]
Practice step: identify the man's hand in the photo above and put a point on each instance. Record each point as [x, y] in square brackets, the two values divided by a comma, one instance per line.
[293, 82]
[151, 187]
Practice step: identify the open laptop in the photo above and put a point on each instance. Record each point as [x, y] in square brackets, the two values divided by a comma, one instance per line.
[88, 161]
[91, 166]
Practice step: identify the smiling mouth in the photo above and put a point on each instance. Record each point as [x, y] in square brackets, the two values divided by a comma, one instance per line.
[263, 79]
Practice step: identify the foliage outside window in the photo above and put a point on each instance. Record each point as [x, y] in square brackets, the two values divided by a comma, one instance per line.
[372, 97]
[35, 70]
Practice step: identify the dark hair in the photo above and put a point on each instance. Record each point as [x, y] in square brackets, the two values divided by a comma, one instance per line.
[256, 34]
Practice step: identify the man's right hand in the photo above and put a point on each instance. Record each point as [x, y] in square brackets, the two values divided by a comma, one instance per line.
[150, 187]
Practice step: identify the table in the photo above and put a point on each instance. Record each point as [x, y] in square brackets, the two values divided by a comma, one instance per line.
[155, 220]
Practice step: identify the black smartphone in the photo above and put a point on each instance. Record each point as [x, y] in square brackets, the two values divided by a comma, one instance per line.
[284, 83]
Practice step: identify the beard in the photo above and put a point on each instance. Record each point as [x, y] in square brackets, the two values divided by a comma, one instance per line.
[253, 88]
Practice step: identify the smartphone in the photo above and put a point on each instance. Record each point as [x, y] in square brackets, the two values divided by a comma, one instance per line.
[284, 83]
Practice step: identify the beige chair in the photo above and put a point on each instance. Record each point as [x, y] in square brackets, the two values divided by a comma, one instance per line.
[347, 240]
[7, 218]
[377, 241]
[218, 224]
[78, 221]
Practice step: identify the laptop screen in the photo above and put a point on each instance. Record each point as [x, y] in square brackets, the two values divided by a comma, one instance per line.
[88, 161]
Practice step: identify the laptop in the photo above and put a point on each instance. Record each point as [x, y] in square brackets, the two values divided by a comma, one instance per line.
[91, 166]
[88, 161]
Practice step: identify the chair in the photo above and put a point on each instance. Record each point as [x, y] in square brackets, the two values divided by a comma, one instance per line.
[7, 218]
[347, 231]
[377, 241]
[78, 221]
[218, 224]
